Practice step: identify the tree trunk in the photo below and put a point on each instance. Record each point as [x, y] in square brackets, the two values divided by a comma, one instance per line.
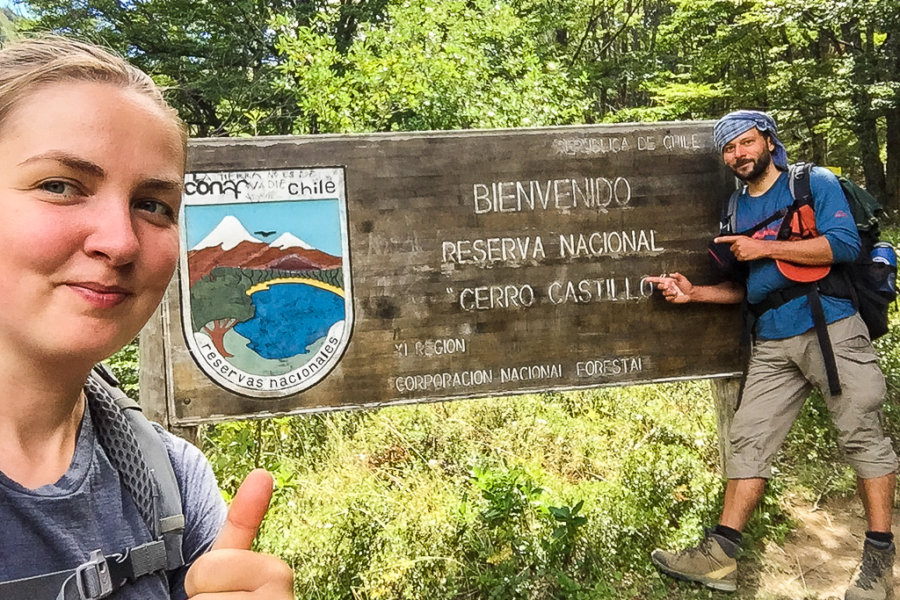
[812, 114]
[892, 182]
[864, 122]
[216, 332]
[865, 127]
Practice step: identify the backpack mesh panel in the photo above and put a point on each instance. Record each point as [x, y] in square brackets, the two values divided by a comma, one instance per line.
[117, 437]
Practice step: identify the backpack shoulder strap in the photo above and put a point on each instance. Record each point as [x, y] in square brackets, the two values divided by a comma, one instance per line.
[168, 515]
[798, 183]
[728, 221]
[801, 193]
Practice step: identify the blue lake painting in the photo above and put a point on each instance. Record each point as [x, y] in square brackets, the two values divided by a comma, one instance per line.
[289, 318]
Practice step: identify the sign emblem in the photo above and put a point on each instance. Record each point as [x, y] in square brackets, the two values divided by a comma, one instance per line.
[267, 308]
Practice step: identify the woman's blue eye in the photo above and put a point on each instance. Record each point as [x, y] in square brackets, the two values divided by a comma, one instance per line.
[56, 187]
[155, 207]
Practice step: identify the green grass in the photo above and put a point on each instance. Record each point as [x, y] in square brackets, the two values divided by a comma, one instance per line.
[544, 496]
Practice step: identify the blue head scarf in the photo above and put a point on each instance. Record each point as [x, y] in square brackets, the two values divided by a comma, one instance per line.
[734, 124]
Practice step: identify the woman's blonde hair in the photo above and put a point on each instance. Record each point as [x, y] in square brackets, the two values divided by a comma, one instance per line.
[29, 63]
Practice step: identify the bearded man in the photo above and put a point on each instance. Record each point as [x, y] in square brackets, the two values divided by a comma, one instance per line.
[787, 359]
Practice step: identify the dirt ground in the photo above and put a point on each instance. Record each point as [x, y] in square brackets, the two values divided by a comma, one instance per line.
[817, 560]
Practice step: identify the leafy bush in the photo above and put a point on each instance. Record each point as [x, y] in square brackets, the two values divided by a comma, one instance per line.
[545, 496]
[125, 365]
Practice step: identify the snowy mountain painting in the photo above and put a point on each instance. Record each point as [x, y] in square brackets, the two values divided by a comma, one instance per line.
[267, 308]
[287, 240]
[227, 234]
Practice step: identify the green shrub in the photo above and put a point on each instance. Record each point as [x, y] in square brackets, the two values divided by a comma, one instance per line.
[125, 365]
[548, 496]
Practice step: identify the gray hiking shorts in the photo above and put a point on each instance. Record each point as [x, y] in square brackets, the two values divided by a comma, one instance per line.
[781, 374]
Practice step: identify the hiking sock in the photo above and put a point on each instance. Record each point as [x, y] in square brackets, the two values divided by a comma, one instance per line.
[881, 540]
[732, 535]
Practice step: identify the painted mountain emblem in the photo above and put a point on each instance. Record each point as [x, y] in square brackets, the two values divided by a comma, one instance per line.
[265, 283]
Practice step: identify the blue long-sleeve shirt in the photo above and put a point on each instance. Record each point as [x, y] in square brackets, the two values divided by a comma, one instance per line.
[833, 221]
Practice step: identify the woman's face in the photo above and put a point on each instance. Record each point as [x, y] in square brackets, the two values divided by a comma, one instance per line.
[90, 188]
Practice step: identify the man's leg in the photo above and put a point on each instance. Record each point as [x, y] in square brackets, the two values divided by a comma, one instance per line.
[773, 395]
[857, 416]
[741, 498]
[878, 500]
[714, 561]
[874, 577]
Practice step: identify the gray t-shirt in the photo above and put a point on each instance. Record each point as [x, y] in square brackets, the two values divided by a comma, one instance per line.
[55, 527]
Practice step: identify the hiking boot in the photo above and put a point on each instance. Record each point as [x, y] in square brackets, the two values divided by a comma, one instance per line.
[711, 562]
[874, 577]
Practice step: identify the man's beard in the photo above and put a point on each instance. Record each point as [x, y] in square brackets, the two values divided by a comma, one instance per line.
[760, 165]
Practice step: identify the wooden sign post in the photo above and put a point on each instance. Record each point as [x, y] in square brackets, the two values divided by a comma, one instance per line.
[450, 265]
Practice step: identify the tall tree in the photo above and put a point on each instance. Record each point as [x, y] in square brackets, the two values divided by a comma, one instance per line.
[454, 64]
[886, 19]
[217, 57]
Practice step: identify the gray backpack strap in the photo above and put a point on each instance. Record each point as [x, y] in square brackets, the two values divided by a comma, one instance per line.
[96, 578]
[40, 587]
[728, 222]
[798, 183]
[89, 581]
[166, 521]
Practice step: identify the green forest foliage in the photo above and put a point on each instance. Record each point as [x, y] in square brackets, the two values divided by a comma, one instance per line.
[549, 496]
[828, 69]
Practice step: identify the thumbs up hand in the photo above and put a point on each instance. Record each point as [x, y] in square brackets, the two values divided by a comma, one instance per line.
[230, 570]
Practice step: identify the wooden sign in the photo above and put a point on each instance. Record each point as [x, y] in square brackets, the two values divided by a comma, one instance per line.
[330, 272]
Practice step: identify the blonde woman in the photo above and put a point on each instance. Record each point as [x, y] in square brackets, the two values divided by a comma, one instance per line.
[90, 188]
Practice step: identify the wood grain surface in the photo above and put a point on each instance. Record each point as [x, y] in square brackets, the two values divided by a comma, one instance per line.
[491, 263]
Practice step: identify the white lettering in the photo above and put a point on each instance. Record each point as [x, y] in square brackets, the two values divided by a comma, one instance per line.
[485, 252]
[609, 367]
[557, 194]
[599, 290]
[613, 243]
[441, 381]
[496, 296]
[530, 372]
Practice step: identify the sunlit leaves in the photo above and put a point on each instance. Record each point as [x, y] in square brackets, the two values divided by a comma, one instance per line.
[428, 65]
